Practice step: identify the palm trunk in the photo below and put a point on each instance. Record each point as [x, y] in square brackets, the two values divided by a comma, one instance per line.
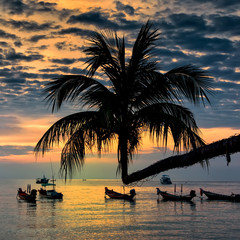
[222, 147]
[123, 161]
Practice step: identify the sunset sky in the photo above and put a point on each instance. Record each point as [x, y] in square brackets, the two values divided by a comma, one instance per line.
[40, 40]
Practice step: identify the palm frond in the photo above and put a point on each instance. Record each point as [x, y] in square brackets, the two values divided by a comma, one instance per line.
[73, 154]
[72, 88]
[152, 87]
[142, 48]
[101, 51]
[62, 129]
[191, 83]
[164, 118]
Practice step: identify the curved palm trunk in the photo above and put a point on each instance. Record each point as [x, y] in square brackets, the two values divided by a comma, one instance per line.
[225, 146]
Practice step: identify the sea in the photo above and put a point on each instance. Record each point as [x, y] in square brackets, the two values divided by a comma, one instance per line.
[85, 213]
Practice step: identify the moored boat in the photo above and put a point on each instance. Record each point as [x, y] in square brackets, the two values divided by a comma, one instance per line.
[173, 197]
[165, 179]
[117, 195]
[218, 196]
[29, 197]
[50, 193]
[42, 180]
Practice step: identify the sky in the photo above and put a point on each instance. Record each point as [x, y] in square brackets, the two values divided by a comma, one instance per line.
[41, 40]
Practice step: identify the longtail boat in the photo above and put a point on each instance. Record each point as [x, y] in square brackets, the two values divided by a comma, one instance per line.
[217, 196]
[29, 197]
[173, 197]
[117, 195]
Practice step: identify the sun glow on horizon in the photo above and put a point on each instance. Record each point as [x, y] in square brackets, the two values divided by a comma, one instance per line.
[31, 130]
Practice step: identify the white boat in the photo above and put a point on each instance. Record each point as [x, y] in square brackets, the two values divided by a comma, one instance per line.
[165, 179]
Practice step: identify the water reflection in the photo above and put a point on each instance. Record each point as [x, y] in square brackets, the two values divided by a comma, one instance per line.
[85, 214]
[176, 205]
[28, 213]
[111, 201]
[43, 213]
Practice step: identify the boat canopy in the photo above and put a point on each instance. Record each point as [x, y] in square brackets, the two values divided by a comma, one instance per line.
[48, 184]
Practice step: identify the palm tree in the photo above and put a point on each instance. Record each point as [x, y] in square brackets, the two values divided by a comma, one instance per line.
[136, 97]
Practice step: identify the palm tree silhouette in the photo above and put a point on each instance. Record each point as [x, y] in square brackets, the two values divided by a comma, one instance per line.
[135, 98]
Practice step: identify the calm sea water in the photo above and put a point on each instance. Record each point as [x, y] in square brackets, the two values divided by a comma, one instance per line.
[84, 213]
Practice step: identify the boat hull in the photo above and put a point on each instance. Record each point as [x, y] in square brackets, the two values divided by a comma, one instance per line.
[217, 196]
[50, 194]
[172, 197]
[116, 195]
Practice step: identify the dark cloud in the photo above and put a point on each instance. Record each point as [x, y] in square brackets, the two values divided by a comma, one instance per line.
[36, 38]
[58, 69]
[4, 44]
[193, 41]
[187, 22]
[95, 17]
[76, 32]
[212, 59]
[65, 70]
[163, 52]
[18, 43]
[13, 6]
[223, 4]
[116, 21]
[127, 25]
[9, 125]
[67, 46]
[41, 47]
[31, 7]
[15, 150]
[226, 4]
[6, 35]
[220, 24]
[66, 61]
[125, 8]
[193, 33]
[42, 6]
[29, 26]
[119, 15]
[12, 55]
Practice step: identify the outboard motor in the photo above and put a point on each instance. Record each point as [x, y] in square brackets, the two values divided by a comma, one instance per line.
[33, 193]
[132, 192]
[193, 193]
